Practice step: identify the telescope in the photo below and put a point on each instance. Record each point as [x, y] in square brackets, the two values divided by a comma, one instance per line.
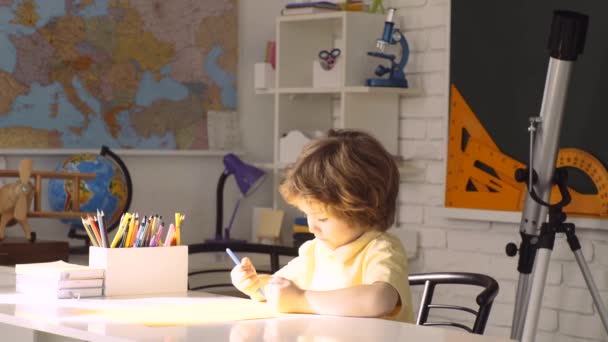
[541, 220]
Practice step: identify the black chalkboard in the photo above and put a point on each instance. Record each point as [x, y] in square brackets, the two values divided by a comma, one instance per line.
[499, 62]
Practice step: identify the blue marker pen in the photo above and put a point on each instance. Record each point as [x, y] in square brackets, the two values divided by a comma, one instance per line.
[238, 262]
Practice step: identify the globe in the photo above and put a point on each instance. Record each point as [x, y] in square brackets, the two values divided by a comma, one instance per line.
[107, 191]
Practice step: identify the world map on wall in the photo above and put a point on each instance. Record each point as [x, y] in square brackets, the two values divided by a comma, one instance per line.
[122, 73]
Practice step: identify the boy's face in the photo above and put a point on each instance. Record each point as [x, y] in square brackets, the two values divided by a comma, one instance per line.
[332, 231]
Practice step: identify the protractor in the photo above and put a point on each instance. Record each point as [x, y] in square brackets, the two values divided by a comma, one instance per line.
[595, 170]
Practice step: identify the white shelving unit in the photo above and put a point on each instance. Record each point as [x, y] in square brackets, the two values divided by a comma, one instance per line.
[300, 106]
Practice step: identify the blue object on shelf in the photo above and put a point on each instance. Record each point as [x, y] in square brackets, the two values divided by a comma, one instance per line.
[302, 221]
[328, 4]
[396, 75]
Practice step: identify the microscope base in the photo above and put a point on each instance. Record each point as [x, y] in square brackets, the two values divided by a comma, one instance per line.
[381, 82]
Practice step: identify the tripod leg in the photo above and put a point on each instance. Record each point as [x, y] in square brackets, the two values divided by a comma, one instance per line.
[521, 304]
[575, 246]
[527, 253]
[543, 257]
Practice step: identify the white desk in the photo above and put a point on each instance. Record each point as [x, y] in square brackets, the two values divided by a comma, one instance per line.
[56, 321]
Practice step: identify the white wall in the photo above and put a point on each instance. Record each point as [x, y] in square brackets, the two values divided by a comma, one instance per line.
[477, 245]
[165, 184]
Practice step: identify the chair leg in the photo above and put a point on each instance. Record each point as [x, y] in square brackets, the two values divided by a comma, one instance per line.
[274, 262]
[482, 318]
[427, 296]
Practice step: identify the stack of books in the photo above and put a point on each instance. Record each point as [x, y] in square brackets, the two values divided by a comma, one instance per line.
[311, 7]
[59, 279]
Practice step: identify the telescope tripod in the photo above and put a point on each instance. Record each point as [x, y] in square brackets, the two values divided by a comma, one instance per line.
[555, 224]
[566, 42]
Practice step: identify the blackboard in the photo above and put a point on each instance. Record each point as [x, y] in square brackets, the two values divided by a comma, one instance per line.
[499, 61]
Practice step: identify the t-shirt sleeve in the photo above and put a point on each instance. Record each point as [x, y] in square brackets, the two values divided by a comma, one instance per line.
[387, 262]
[296, 267]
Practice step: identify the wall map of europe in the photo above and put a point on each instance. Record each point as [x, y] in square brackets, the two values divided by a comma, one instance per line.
[136, 74]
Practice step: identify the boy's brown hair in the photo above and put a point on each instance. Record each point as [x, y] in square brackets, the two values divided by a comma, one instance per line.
[351, 174]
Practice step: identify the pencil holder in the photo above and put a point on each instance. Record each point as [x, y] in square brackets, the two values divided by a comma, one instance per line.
[142, 270]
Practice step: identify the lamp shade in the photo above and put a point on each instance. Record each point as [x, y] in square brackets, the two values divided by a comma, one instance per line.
[247, 177]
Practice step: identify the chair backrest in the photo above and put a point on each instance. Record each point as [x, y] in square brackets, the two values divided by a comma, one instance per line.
[484, 299]
[272, 251]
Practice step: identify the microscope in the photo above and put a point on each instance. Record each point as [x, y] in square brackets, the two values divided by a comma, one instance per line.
[390, 36]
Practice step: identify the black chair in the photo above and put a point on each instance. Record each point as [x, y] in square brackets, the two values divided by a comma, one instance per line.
[484, 299]
[274, 253]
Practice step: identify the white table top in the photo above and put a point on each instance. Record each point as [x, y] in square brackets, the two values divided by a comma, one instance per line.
[59, 317]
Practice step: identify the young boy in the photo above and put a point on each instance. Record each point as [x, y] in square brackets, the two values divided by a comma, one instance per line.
[346, 183]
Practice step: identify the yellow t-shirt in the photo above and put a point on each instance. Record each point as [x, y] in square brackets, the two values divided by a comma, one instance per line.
[374, 257]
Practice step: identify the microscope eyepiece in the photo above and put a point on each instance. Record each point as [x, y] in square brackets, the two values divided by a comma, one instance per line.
[390, 14]
[387, 33]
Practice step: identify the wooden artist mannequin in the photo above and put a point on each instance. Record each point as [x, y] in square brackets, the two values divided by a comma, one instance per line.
[15, 199]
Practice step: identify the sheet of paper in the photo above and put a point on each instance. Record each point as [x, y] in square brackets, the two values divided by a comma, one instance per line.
[181, 313]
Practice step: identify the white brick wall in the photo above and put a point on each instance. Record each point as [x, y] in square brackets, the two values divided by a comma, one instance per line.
[567, 313]
[414, 129]
[423, 107]
[601, 252]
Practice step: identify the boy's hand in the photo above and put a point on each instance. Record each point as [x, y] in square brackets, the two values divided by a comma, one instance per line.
[244, 277]
[285, 296]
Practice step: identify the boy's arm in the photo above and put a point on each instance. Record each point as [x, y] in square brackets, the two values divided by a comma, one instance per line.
[245, 278]
[375, 300]
[252, 290]
[372, 300]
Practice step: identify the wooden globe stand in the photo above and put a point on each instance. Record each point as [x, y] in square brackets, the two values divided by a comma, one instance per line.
[14, 250]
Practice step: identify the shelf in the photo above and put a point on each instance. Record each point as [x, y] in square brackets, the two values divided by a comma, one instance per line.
[121, 152]
[405, 169]
[301, 104]
[264, 166]
[267, 91]
[348, 90]
[308, 90]
[270, 166]
[316, 16]
[383, 90]
[513, 217]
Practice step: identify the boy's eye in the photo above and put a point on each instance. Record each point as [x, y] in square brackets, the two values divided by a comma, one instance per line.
[322, 219]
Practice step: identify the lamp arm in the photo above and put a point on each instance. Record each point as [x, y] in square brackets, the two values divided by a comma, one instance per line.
[219, 213]
[229, 227]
